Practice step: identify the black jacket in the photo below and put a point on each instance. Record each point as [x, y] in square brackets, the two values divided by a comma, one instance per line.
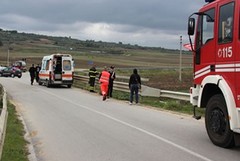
[134, 79]
[93, 72]
[32, 71]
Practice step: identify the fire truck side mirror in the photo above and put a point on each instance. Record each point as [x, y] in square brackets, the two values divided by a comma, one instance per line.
[191, 26]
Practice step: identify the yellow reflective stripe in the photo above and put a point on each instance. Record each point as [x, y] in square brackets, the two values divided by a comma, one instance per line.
[91, 71]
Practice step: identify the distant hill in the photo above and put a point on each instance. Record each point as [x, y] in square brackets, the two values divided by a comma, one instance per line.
[12, 36]
[16, 46]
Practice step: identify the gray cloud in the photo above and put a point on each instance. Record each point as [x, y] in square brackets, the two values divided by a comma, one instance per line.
[110, 20]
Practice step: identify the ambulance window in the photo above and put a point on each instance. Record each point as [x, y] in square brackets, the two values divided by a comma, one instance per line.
[44, 65]
[66, 65]
[225, 30]
[47, 65]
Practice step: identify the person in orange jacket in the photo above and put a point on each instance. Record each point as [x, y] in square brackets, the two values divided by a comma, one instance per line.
[104, 80]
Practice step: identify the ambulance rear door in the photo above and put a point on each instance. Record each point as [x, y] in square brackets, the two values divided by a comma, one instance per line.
[67, 70]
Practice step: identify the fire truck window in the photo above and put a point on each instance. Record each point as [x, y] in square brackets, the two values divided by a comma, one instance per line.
[225, 34]
[205, 28]
[208, 28]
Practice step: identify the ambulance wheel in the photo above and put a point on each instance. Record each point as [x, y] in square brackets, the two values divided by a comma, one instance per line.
[48, 84]
[40, 83]
[69, 85]
[217, 122]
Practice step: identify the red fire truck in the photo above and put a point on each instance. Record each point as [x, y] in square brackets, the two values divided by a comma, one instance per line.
[216, 57]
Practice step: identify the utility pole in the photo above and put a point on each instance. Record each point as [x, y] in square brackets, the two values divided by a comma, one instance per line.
[8, 56]
[8, 53]
[180, 60]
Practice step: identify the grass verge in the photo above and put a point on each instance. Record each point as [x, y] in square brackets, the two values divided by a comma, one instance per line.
[162, 103]
[15, 146]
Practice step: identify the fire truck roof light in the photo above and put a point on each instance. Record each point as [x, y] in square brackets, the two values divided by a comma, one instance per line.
[209, 1]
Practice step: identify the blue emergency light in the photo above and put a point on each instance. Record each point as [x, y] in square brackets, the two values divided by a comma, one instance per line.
[209, 1]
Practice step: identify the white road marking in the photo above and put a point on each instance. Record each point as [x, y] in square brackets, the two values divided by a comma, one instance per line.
[134, 127]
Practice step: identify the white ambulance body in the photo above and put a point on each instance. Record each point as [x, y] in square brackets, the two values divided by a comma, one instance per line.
[57, 69]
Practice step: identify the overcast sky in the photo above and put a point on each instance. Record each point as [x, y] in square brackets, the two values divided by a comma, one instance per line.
[155, 23]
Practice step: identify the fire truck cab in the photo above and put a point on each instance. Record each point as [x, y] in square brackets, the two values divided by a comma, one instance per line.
[216, 54]
[57, 69]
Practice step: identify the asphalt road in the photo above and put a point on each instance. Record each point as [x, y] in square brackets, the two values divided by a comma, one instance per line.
[75, 125]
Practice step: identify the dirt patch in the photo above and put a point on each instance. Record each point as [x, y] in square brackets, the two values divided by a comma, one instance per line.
[170, 81]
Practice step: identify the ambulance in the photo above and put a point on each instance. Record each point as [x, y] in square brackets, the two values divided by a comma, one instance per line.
[57, 69]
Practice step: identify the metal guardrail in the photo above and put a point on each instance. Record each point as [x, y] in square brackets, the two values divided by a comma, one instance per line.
[145, 90]
[3, 121]
[175, 95]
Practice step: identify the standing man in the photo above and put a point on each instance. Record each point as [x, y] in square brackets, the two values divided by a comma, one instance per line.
[32, 71]
[92, 76]
[134, 86]
[38, 68]
[104, 80]
[112, 78]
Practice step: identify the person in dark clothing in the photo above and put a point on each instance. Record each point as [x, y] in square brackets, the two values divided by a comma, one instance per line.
[92, 76]
[32, 71]
[38, 68]
[111, 79]
[134, 86]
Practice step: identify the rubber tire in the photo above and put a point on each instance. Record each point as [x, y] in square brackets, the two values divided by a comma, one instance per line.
[48, 84]
[12, 75]
[69, 85]
[216, 109]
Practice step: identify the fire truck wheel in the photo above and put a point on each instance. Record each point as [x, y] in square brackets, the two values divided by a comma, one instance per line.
[217, 122]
